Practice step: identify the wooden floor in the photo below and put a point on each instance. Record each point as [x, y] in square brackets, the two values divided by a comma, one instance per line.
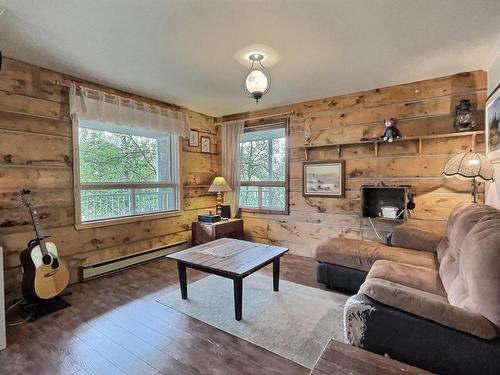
[114, 326]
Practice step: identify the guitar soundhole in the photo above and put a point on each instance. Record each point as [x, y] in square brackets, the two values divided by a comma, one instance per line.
[55, 263]
[46, 259]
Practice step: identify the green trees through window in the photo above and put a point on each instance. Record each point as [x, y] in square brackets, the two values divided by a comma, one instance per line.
[123, 174]
[263, 168]
[113, 157]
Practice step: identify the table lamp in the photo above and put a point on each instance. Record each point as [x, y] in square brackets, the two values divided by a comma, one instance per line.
[219, 186]
[470, 166]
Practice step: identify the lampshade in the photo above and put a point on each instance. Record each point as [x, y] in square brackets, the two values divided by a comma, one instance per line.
[469, 165]
[256, 81]
[219, 185]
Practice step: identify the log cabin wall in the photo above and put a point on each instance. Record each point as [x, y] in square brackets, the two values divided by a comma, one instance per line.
[36, 153]
[421, 109]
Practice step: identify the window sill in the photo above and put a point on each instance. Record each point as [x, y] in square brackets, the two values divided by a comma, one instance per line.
[126, 219]
[264, 211]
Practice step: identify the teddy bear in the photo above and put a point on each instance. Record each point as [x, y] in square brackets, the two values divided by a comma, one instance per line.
[390, 132]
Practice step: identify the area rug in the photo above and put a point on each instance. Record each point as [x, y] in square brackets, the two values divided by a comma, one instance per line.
[296, 322]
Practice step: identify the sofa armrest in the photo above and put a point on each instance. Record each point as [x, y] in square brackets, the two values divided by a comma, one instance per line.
[417, 237]
[417, 341]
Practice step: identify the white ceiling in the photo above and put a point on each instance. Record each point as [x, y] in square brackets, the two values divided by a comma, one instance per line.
[184, 51]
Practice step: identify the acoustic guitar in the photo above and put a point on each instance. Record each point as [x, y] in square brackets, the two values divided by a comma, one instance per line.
[44, 274]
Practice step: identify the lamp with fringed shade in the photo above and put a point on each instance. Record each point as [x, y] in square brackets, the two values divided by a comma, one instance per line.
[470, 166]
[219, 185]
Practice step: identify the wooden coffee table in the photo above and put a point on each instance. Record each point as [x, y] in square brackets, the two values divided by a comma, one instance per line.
[230, 258]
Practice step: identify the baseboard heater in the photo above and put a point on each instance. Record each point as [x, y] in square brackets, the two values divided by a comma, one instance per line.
[92, 271]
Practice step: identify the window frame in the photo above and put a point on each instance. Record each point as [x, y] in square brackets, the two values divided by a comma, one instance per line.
[266, 126]
[77, 188]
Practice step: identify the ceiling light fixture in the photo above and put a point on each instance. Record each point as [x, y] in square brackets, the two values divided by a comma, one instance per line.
[258, 79]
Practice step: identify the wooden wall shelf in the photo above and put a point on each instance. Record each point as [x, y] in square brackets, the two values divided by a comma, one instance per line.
[472, 134]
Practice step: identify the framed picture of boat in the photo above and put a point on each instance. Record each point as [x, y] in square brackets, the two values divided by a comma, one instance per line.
[324, 178]
[493, 126]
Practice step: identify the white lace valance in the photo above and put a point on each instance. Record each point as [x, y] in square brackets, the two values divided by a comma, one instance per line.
[95, 105]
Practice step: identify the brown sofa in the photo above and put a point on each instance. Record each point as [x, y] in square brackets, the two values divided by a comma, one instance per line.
[343, 264]
[432, 300]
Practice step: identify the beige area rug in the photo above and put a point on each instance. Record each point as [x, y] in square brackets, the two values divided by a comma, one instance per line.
[296, 322]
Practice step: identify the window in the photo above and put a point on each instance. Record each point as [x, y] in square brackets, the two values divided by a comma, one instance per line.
[125, 172]
[264, 169]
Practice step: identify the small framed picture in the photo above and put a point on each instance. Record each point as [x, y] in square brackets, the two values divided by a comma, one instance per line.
[324, 179]
[493, 127]
[193, 139]
[205, 145]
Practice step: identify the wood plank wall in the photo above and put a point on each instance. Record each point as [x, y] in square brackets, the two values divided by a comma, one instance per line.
[420, 108]
[36, 153]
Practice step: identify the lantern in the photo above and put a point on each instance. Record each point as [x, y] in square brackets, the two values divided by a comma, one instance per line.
[464, 116]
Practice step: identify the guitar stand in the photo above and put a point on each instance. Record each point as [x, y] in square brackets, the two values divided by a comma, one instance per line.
[31, 311]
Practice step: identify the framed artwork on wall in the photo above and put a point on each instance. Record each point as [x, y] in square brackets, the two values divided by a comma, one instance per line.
[205, 145]
[324, 179]
[193, 138]
[493, 127]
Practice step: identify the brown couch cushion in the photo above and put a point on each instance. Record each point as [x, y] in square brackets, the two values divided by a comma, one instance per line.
[361, 254]
[469, 256]
[418, 277]
[428, 305]
[414, 235]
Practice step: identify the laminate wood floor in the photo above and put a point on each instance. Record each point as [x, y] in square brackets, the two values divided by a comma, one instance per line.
[115, 326]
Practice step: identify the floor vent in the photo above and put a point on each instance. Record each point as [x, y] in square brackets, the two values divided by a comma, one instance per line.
[118, 264]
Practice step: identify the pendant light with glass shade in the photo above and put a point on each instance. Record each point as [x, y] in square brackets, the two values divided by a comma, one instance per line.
[258, 79]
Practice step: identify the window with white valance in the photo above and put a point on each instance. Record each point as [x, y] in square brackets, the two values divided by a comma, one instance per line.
[126, 159]
[96, 105]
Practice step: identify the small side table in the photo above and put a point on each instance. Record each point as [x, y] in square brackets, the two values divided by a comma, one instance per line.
[206, 232]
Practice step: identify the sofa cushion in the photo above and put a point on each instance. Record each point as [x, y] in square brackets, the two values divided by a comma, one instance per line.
[415, 235]
[418, 277]
[427, 305]
[361, 254]
[469, 256]
[461, 220]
